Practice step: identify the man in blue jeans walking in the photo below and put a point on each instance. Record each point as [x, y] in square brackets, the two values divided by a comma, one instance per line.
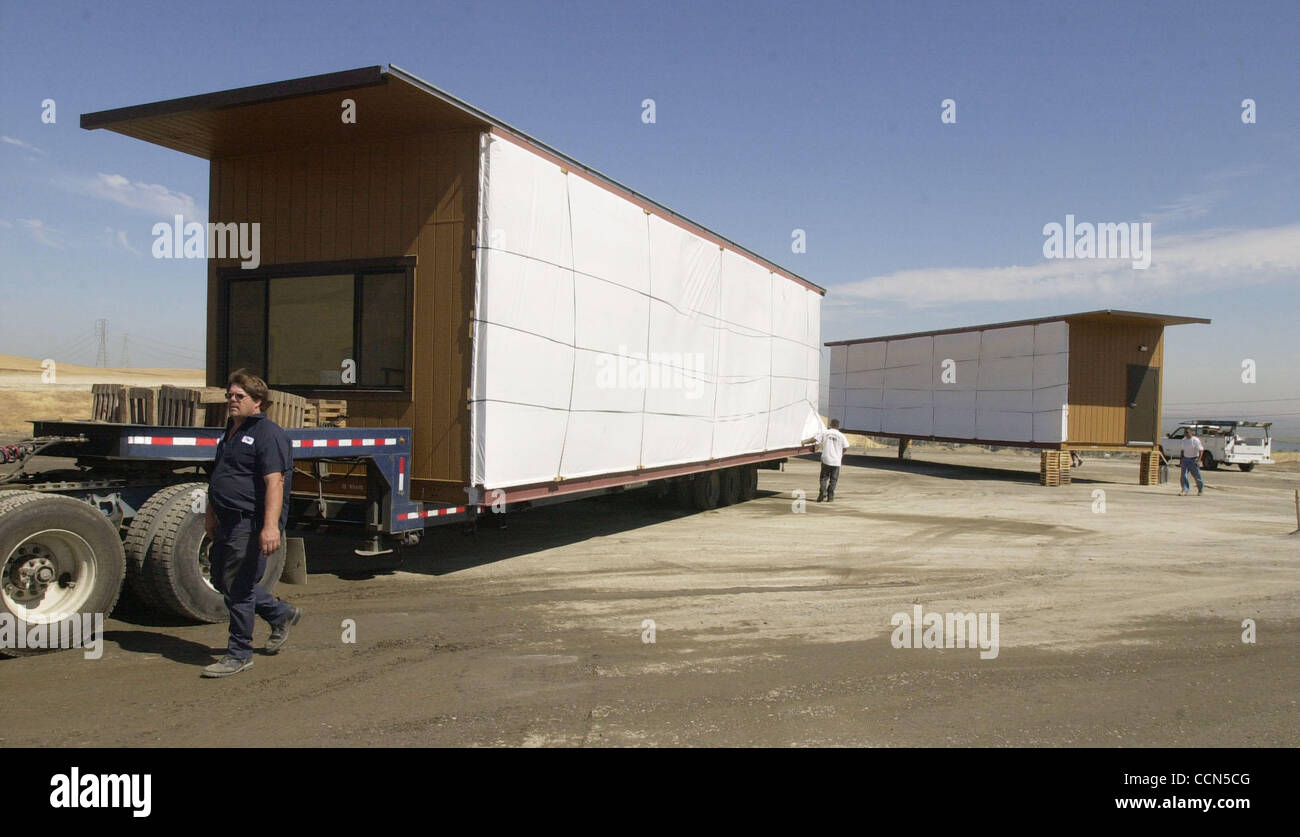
[248, 506]
[1191, 459]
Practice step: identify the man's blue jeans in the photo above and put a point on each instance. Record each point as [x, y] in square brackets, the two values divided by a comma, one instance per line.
[237, 568]
[1189, 464]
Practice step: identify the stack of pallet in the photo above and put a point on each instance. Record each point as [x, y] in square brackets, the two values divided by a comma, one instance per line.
[1150, 474]
[325, 412]
[169, 406]
[1054, 468]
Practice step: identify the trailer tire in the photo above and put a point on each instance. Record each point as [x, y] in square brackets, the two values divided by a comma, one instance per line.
[176, 568]
[140, 536]
[683, 490]
[705, 489]
[1246, 466]
[748, 482]
[731, 487]
[72, 541]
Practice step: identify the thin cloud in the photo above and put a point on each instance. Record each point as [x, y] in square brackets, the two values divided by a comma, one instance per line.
[146, 197]
[1217, 259]
[1186, 207]
[21, 144]
[117, 238]
[48, 236]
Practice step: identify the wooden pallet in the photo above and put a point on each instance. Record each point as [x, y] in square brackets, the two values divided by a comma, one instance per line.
[212, 408]
[325, 412]
[141, 405]
[178, 406]
[107, 402]
[1150, 469]
[286, 409]
[1054, 468]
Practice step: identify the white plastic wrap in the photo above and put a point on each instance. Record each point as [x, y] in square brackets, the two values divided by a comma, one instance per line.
[1007, 384]
[610, 340]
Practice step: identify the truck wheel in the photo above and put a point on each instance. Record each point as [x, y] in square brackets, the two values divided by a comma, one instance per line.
[730, 486]
[61, 557]
[1209, 463]
[1246, 466]
[705, 489]
[748, 482]
[177, 571]
[140, 536]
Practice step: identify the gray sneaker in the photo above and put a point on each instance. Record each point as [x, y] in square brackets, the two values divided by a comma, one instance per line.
[280, 633]
[229, 665]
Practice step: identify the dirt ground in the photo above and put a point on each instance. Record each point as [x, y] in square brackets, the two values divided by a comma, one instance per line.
[772, 625]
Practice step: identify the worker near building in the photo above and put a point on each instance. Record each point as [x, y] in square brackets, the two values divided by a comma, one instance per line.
[1191, 461]
[833, 443]
[248, 506]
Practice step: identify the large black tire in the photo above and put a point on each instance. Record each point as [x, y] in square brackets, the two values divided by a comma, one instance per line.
[748, 482]
[705, 489]
[731, 486]
[140, 536]
[59, 557]
[683, 490]
[1246, 466]
[1208, 462]
[176, 568]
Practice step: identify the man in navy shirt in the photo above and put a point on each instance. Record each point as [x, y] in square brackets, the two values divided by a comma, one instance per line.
[248, 506]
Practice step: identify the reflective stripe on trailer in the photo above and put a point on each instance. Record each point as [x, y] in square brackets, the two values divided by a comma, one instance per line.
[342, 443]
[172, 441]
[433, 512]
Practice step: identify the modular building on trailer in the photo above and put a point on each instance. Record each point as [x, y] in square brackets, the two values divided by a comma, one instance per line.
[541, 328]
[1075, 381]
[508, 326]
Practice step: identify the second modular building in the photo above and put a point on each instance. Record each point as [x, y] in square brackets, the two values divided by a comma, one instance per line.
[1090, 380]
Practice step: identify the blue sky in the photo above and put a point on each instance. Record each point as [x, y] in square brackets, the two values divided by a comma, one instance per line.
[770, 117]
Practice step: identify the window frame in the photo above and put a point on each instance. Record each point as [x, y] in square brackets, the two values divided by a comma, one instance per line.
[358, 268]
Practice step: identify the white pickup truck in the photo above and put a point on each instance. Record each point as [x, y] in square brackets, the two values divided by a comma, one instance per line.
[1230, 442]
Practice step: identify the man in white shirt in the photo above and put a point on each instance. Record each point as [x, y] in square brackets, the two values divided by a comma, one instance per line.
[1191, 459]
[833, 443]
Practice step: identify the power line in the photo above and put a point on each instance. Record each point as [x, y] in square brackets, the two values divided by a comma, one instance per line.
[1233, 401]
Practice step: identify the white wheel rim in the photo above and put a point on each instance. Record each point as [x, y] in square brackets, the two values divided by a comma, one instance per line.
[48, 577]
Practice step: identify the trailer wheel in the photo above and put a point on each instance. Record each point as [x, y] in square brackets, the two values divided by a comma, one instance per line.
[683, 491]
[177, 570]
[1246, 466]
[705, 489]
[1209, 463]
[731, 486]
[140, 536]
[748, 482]
[60, 556]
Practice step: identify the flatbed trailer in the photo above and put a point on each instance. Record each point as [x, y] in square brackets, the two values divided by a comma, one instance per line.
[130, 512]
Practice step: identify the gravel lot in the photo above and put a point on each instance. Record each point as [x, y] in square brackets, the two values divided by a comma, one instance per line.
[772, 626]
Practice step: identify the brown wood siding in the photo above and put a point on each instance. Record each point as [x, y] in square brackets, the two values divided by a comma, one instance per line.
[1100, 354]
[382, 198]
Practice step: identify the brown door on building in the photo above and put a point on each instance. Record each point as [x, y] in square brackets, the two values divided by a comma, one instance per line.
[1143, 388]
